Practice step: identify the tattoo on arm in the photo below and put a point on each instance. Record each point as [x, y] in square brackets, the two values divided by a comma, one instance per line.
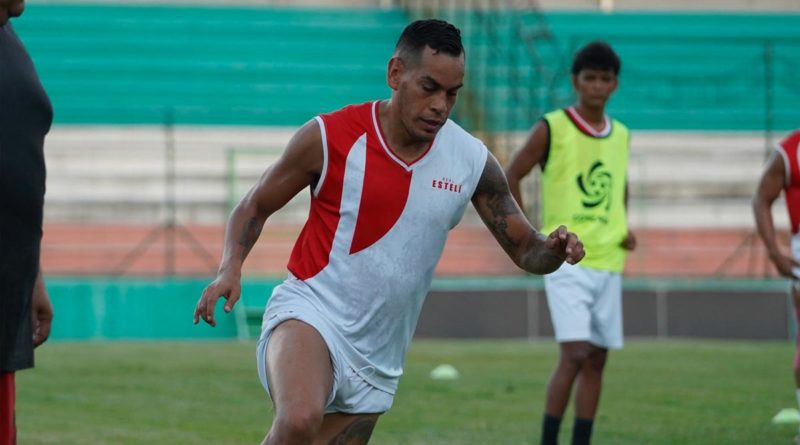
[538, 260]
[494, 189]
[249, 235]
[527, 250]
[357, 433]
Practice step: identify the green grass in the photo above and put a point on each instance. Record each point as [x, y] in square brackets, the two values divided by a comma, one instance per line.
[676, 392]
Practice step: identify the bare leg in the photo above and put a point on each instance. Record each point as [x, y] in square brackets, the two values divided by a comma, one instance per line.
[300, 378]
[590, 380]
[583, 361]
[572, 357]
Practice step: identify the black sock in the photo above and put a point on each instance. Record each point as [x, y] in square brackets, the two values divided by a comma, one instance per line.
[550, 427]
[582, 431]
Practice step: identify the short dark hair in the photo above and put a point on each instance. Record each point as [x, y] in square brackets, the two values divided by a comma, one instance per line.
[597, 55]
[439, 35]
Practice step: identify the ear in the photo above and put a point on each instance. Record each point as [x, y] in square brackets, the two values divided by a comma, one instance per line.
[615, 84]
[394, 72]
[575, 81]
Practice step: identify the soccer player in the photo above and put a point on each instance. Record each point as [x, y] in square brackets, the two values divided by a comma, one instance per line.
[25, 117]
[583, 155]
[388, 179]
[782, 173]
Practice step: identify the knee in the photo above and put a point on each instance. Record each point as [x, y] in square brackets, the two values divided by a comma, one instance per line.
[297, 425]
[597, 359]
[587, 357]
[578, 356]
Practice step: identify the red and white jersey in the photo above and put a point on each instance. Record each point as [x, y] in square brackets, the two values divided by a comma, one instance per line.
[791, 162]
[375, 232]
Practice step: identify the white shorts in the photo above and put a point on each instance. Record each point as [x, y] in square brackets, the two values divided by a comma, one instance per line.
[585, 305]
[350, 392]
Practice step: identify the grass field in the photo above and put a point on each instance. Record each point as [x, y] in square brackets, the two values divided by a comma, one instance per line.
[675, 392]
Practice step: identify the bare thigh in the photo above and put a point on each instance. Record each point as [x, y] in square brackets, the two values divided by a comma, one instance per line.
[300, 377]
[298, 368]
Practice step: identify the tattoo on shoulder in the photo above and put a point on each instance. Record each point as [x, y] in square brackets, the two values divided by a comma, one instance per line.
[492, 181]
[357, 433]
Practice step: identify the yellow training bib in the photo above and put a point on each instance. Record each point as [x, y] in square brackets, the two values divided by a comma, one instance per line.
[583, 186]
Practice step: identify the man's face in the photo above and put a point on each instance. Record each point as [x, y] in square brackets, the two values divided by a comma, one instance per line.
[594, 87]
[426, 90]
[10, 8]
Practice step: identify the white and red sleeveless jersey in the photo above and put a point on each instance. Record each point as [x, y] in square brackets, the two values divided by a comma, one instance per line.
[791, 162]
[375, 232]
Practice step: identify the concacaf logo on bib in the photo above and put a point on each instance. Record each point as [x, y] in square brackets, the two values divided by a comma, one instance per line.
[595, 186]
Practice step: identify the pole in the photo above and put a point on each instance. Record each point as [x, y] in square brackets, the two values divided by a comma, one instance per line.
[768, 99]
[169, 188]
[231, 172]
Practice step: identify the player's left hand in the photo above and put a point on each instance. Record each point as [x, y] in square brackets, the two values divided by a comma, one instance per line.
[565, 245]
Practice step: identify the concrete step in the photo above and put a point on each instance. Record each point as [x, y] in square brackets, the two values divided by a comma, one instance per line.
[202, 211]
[120, 173]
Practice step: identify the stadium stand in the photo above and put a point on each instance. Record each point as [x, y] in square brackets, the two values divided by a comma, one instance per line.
[705, 93]
[277, 66]
[205, 65]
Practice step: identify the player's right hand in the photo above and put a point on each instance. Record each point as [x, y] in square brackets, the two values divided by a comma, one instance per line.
[565, 245]
[224, 286]
[785, 265]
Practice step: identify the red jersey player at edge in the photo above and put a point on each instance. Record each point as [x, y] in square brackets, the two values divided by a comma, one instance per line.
[782, 173]
[388, 180]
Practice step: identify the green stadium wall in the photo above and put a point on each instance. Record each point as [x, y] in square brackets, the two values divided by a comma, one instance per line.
[478, 307]
[106, 308]
[268, 66]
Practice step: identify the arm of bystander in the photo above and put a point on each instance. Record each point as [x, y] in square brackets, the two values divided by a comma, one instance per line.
[768, 190]
[532, 152]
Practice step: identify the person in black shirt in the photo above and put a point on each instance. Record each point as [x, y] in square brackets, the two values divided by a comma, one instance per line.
[25, 118]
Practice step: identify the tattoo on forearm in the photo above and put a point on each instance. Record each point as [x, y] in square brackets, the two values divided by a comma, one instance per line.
[357, 433]
[493, 194]
[493, 187]
[249, 235]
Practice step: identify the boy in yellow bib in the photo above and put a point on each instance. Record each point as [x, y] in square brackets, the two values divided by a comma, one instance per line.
[583, 155]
